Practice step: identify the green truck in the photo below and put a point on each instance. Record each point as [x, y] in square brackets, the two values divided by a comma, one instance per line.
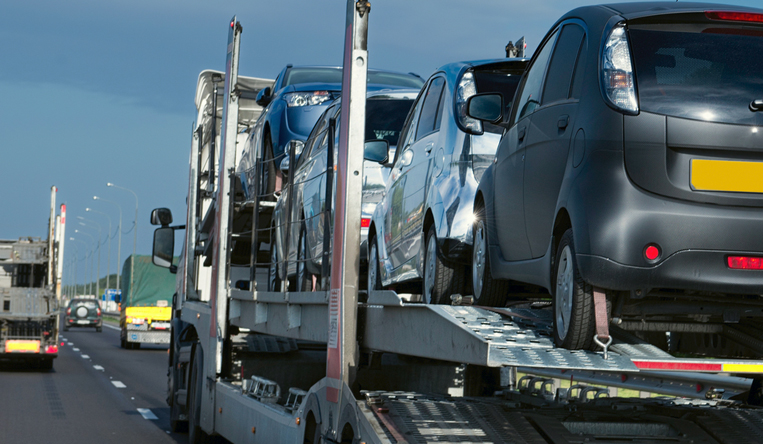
[145, 306]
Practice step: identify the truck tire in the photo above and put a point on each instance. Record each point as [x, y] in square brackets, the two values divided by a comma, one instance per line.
[46, 364]
[195, 434]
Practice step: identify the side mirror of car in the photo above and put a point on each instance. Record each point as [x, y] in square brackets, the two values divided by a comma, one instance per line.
[263, 97]
[487, 107]
[164, 247]
[376, 151]
[161, 216]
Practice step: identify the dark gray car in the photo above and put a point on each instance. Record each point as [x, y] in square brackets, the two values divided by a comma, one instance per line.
[632, 166]
[421, 231]
[83, 313]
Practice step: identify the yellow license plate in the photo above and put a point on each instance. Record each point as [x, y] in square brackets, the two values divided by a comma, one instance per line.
[727, 175]
[22, 346]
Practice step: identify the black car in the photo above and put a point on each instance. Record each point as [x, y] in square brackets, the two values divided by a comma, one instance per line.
[83, 313]
[632, 165]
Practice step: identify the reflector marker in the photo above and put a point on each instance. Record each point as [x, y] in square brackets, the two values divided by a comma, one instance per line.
[701, 366]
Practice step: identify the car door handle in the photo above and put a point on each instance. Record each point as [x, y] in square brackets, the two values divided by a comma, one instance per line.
[428, 148]
[563, 121]
[521, 134]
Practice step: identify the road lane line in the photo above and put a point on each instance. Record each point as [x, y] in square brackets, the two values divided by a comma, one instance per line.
[85, 357]
[98, 367]
[75, 349]
[118, 384]
[112, 327]
[147, 414]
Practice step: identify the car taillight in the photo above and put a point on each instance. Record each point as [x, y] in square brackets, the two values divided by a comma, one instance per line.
[617, 71]
[745, 262]
[98, 311]
[365, 222]
[69, 311]
[51, 349]
[734, 16]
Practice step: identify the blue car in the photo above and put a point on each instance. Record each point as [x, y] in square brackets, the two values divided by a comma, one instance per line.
[292, 107]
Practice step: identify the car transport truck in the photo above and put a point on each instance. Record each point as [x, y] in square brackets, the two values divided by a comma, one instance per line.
[29, 316]
[343, 366]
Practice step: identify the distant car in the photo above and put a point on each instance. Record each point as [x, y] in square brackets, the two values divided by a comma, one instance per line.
[421, 231]
[83, 313]
[292, 107]
[632, 164]
[386, 112]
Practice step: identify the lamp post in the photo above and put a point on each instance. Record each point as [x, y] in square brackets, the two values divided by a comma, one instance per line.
[98, 273]
[108, 236]
[85, 244]
[76, 253]
[92, 251]
[135, 235]
[119, 230]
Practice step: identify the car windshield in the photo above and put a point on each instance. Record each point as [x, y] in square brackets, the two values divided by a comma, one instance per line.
[334, 75]
[385, 118]
[699, 72]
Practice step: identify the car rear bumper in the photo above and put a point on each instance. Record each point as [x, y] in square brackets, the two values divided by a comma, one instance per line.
[74, 322]
[614, 221]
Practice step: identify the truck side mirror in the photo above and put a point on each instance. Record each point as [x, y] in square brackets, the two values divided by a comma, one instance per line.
[487, 107]
[263, 97]
[161, 216]
[376, 150]
[164, 247]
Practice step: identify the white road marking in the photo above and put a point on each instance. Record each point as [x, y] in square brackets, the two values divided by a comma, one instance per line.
[118, 384]
[64, 339]
[71, 344]
[98, 367]
[85, 357]
[147, 414]
[112, 327]
[75, 349]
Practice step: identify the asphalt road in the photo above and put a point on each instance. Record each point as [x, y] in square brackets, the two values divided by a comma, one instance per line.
[97, 392]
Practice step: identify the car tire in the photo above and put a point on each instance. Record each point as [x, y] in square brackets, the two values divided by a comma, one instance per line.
[98, 329]
[304, 278]
[487, 291]
[274, 278]
[441, 279]
[269, 171]
[66, 328]
[574, 321]
[373, 276]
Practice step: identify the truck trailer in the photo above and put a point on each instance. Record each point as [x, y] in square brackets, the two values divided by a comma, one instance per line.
[145, 312]
[339, 365]
[29, 317]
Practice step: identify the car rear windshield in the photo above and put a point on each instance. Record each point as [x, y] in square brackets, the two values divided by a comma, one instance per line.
[700, 72]
[88, 304]
[334, 75]
[385, 118]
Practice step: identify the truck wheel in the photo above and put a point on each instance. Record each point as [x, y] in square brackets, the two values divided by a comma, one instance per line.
[123, 340]
[574, 323]
[441, 280]
[177, 425]
[487, 291]
[304, 277]
[46, 364]
[195, 434]
[374, 277]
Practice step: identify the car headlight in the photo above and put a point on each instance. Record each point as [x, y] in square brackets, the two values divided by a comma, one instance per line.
[466, 89]
[307, 98]
[617, 71]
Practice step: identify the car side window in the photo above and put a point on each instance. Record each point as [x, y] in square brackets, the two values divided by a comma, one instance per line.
[562, 65]
[577, 79]
[406, 134]
[430, 109]
[529, 98]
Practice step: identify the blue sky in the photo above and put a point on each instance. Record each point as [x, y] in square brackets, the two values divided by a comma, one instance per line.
[95, 92]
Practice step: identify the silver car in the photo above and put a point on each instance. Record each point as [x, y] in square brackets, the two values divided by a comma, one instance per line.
[420, 238]
[299, 215]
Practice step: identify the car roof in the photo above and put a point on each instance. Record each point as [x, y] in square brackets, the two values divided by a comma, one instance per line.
[636, 10]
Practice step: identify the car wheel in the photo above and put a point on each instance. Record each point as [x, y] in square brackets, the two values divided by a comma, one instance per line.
[441, 279]
[487, 291]
[98, 329]
[574, 322]
[374, 277]
[274, 280]
[66, 328]
[304, 277]
[269, 171]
